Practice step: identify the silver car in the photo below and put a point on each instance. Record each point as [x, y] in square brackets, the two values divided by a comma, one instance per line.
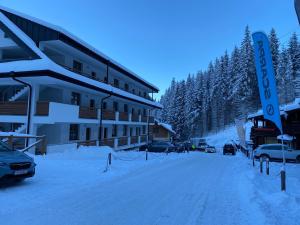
[15, 165]
[274, 151]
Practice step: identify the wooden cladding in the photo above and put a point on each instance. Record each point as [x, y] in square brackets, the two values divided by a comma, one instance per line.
[135, 118]
[144, 138]
[88, 113]
[123, 141]
[134, 139]
[13, 108]
[42, 109]
[109, 115]
[108, 142]
[123, 116]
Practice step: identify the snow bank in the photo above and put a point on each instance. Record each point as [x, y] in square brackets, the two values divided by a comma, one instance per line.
[222, 137]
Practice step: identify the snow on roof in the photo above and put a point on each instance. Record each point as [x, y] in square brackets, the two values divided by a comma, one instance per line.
[67, 33]
[283, 109]
[46, 64]
[166, 126]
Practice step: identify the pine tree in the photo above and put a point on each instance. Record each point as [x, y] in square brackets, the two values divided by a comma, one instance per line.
[274, 46]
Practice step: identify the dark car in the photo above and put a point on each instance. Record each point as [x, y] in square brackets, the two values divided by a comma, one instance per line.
[15, 165]
[160, 147]
[228, 148]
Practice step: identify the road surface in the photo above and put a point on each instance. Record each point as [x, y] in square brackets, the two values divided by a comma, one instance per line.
[201, 189]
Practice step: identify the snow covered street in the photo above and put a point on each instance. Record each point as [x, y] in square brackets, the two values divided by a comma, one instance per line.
[195, 188]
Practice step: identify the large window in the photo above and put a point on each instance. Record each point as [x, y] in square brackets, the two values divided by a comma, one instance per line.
[116, 83]
[75, 98]
[74, 132]
[126, 87]
[125, 108]
[116, 106]
[77, 66]
[12, 48]
[125, 128]
[115, 130]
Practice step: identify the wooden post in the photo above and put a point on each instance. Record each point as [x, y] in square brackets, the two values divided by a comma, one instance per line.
[109, 159]
[267, 166]
[283, 180]
[261, 164]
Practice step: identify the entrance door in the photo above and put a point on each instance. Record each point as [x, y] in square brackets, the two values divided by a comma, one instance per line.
[88, 134]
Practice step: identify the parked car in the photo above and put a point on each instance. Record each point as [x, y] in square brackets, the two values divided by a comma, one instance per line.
[274, 151]
[160, 147]
[199, 143]
[228, 148]
[15, 165]
[210, 149]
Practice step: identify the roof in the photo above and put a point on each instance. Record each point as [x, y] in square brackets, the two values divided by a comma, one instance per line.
[284, 109]
[166, 126]
[45, 64]
[79, 41]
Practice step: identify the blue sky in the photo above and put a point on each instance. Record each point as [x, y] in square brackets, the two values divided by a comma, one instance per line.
[162, 39]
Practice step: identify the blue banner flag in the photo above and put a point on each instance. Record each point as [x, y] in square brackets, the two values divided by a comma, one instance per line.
[266, 78]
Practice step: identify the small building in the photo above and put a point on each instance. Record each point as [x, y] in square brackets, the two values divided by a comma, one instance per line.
[162, 131]
[265, 132]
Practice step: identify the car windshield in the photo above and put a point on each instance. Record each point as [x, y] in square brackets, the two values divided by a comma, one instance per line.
[4, 147]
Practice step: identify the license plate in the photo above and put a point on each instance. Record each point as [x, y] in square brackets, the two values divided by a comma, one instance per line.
[21, 172]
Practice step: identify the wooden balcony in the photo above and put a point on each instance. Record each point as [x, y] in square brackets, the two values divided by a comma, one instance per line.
[108, 142]
[123, 141]
[143, 138]
[134, 139]
[151, 119]
[42, 109]
[88, 113]
[109, 115]
[144, 119]
[13, 108]
[293, 128]
[123, 116]
[135, 118]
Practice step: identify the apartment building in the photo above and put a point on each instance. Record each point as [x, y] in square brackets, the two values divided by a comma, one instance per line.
[54, 84]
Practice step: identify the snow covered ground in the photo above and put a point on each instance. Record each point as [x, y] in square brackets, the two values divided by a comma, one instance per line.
[71, 188]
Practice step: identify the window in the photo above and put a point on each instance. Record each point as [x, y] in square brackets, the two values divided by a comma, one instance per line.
[105, 133]
[116, 83]
[125, 127]
[126, 108]
[137, 131]
[145, 95]
[12, 48]
[105, 79]
[140, 93]
[94, 75]
[144, 112]
[114, 130]
[144, 129]
[104, 106]
[75, 98]
[139, 112]
[116, 106]
[131, 131]
[74, 132]
[92, 104]
[77, 66]
[126, 87]
[132, 111]
[133, 91]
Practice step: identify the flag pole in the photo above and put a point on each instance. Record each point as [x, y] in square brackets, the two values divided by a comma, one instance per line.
[282, 172]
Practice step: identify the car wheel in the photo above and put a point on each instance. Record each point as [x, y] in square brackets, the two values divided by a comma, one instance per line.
[298, 159]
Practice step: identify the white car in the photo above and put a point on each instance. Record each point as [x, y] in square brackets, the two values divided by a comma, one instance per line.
[274, 151]
[210, 149]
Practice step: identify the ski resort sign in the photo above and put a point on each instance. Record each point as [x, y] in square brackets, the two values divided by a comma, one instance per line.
[266, 78]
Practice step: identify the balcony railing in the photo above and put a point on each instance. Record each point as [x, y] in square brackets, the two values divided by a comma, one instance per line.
[109, 115]
[42, 109]
[88, 113]
[134, 139]
[123, 116]
[108, 142]
[144, 138]
[123, 141]
[13, 108]
[135, 117]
